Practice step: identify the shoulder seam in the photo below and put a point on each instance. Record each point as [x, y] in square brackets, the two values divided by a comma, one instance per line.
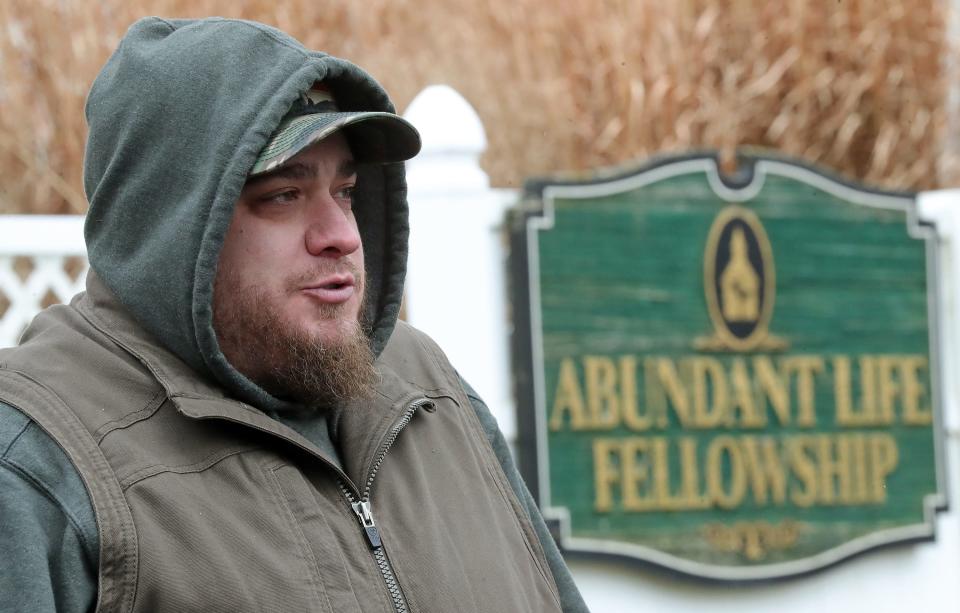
[14, 440]
[40, 487]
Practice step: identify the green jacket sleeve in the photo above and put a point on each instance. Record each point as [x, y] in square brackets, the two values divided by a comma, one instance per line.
[48, 532]
[570, 598]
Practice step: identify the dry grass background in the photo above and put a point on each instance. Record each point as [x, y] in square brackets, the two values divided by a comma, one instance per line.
[856, 86]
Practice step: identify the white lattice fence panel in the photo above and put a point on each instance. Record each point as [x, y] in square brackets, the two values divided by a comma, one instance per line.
[42, 261]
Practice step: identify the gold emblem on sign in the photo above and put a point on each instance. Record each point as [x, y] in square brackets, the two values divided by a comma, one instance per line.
[739, 283]
[753, 540]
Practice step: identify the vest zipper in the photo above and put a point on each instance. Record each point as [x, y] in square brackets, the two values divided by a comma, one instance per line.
[361, 508]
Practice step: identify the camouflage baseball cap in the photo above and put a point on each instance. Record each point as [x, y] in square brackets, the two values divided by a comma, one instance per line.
[375, 137]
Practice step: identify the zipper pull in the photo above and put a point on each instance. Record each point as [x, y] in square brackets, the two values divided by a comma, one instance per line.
[362, 511]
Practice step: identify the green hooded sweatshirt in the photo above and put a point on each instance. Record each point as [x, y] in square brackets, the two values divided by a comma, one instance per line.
[177, 118]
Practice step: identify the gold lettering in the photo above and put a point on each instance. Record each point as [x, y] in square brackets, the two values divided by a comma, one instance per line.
[868, 389]
[673, 473]
[671, 384]
[834, 463]
[888, 388]
[843, 396]
[744, 400]
[708, 376]
[656, 402]
[568, 399]
[602, 398]
[636, 473]
[860, 493]
[844, 452]
[805, 470]
[731, 496]
[661, 474]
[806, 368]
[764, 469]
[775, 388]
[605, 473]
[691, 498]
[639, 473]
[884, 456]
[914, 414]
[847, 412]
[628, 396]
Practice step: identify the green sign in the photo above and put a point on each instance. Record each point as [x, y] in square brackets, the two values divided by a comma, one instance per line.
[732, 378]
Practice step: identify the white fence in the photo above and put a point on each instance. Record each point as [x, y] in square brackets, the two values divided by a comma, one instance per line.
[42, 260]
[456, 292]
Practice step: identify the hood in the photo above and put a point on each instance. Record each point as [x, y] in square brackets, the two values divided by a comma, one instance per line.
[176, 120]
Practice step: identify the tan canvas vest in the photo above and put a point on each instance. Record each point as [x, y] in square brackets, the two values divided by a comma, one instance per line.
[204, 503]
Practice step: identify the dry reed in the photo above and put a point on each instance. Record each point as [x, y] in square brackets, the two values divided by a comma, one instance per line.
[853, 85]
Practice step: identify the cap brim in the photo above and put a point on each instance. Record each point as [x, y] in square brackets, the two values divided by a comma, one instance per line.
[374, 137]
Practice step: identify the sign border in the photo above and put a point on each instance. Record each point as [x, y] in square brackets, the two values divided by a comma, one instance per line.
[536, 214]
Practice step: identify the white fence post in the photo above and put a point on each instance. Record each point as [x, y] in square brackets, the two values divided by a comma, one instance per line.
[456, 276]
[46, 241]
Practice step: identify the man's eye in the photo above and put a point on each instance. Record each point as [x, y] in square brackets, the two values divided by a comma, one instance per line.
[345, 194]
[285, 196]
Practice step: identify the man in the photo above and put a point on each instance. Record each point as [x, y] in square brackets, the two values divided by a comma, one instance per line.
[231, 418]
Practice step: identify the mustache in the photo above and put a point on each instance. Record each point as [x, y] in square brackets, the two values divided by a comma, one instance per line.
[343, 267]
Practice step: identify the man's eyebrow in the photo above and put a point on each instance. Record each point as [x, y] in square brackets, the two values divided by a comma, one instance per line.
[296, 170]
[347, 169]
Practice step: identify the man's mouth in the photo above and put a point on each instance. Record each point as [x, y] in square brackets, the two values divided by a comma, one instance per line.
[331, 290]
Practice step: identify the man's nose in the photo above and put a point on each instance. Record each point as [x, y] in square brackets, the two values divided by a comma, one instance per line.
[331, 231]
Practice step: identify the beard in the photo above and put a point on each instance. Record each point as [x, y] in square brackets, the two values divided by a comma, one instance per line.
[284, 359]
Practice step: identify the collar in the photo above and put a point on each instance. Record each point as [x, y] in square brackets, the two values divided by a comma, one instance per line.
[359, 428]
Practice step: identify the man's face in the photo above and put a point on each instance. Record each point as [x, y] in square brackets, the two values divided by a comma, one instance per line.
[290, 280]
